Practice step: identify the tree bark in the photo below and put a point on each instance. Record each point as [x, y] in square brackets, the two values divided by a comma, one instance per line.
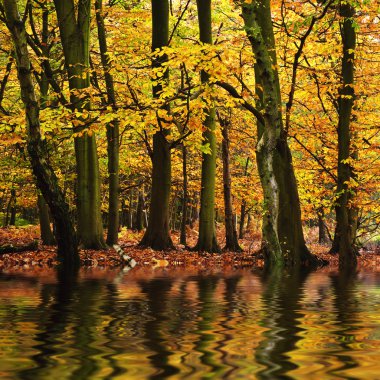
[47, 236]
[12, 219]
[185, 197]
[139, 222]
[112, 133]
[345, 214]
[74, 26]
[207, 236]
[322, 237]
[232, 243]
[243, 207]
[283, 241]
[157, 234]
[47, 181]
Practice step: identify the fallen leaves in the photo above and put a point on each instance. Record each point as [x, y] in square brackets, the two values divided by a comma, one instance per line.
[180, 258]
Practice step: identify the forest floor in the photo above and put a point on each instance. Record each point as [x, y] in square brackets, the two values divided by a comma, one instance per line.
[180, 258]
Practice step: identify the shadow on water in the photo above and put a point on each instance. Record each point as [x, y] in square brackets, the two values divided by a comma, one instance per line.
[277, 325]
[54, 310]
[69, 316]
[347, 307]
[282, 295]
[157, 291]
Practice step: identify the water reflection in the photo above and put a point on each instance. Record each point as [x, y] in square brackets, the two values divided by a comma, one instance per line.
[158, 325]
[282, 295]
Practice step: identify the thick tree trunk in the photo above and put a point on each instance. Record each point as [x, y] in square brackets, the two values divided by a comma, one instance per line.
[47, 236]
[74, 26]
[112, 133]
[232, 243]
[185, 196]
[283, 240]
[345, 215]
[157, 233]
[207, 235]
[47, 181]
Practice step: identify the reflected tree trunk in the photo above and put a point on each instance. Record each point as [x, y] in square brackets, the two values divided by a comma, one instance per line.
[282, 296]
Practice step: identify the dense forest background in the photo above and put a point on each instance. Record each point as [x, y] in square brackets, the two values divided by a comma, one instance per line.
[257, 117]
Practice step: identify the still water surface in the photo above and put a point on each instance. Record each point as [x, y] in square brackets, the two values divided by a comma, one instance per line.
[156, 325]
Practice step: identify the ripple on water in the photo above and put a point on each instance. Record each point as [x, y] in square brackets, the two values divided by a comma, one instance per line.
[239, 325]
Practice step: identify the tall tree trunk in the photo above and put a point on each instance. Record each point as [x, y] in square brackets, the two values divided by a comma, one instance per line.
[185, 197]
[345, 217]
[74, 26]
[157, 233]
[207, 236]
[243, 206]
[47, 236]
[46, 232]
[232, 243]
[47, 181]
[322, 237]
[140, 211]
[112, 133]
[283, 240]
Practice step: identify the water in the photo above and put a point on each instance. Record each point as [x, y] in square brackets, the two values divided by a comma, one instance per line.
[157, 324]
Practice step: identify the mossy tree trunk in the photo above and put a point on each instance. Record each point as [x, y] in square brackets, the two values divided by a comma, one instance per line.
[283, 240]
[74, 26]
[207, 236]
[345, 214]
[157, 234]
[47, 181]
[112, 133]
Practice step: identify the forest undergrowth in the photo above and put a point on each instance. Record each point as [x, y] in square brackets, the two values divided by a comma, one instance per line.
[44, 257]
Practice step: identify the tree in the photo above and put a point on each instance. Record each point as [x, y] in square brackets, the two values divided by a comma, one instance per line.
[207, 236]
[74, 26]
[283, 240]
[112, 132]
[232, 243]
[47, 181]
[346, 217]
[157, 233]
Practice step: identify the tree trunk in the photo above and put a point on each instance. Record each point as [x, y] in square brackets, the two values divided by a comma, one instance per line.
[157, 233]
[185, 197]
[12, 220]
[243, 206]
[47, 181]
[242, 219]
[112, 133]
[10, 206]
[140, 212]
[283, 240]
[232, 243]
[74, 26]
[207, 236]
[322, 237]
[345, 216]
[47, 236]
